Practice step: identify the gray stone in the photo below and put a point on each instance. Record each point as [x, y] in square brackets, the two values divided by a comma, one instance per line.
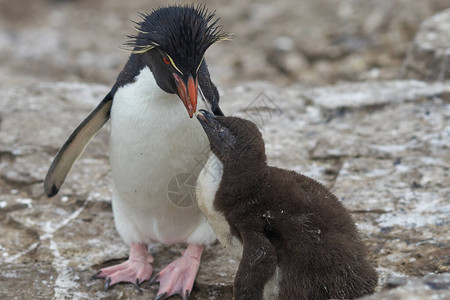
[386, 156]
[432, 286]
[369, 94]
[328, 40]
[72, 233]
[428, 57]
[19, 281]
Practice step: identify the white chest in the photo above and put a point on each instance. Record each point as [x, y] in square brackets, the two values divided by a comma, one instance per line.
[152, 137]
[152, 142]
[207, 185]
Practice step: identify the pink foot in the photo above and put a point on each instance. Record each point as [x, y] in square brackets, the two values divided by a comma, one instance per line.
[179, 276]
[136, 269]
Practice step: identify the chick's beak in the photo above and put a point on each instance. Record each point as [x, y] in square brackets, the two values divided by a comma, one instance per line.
[187, 91]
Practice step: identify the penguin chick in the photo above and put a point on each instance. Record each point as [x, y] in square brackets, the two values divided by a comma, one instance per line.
[294, 238]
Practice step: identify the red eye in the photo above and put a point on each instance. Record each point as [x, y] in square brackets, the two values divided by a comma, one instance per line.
[166, 60]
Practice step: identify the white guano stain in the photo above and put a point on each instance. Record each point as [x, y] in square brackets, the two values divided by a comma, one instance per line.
[64, 281]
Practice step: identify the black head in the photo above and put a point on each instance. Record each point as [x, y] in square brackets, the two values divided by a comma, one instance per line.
[172, 42]
[233, 140]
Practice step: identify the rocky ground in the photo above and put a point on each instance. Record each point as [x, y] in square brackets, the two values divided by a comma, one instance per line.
[284, 42]
[380, 142]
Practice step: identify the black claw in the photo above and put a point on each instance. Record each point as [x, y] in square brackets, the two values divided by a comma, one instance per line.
[153, 279]
[108, 281]
[161, 296]
[186, 295]
[136, 286]
[95, 276]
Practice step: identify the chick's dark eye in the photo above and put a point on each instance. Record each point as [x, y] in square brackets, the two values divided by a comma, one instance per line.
[222, 134]
[166, 60]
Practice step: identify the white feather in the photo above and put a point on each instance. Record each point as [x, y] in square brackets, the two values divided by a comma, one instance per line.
[272, 287]
[152, 140]
[207, 185]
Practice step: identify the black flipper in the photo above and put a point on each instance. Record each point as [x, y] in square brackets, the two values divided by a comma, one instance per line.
[257, 266]
[208, 89]
[75, 145]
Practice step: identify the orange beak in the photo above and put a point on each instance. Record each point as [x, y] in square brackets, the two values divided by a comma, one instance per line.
[187, 93]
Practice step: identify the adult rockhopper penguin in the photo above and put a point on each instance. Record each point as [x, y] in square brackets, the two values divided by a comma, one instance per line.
[153, 139]
[293, 237]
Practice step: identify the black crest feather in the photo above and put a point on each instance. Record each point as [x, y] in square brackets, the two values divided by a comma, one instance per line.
[183, 32]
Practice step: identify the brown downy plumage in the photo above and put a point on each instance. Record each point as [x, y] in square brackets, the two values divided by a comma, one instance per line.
[298, 241]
